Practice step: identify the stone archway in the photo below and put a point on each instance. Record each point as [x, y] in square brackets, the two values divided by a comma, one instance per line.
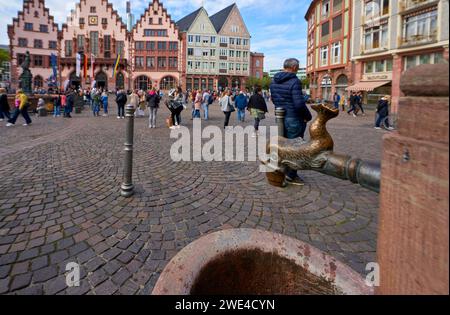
[143, 83]
[167, 83]
[101, 81]
[341, 84]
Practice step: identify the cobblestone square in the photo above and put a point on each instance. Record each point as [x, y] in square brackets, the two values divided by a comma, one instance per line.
[60, 202]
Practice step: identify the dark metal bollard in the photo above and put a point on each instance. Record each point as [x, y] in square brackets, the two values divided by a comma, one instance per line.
[127, 188]
[280, 115]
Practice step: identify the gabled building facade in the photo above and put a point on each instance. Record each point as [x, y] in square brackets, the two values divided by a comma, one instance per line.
[256, 65]
[95, 29]
[234, 47]
[35, 31]
[200, 51]
[156, 50]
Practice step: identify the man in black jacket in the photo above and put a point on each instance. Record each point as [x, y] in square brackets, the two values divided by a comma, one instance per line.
[121, 100]
[286, 92]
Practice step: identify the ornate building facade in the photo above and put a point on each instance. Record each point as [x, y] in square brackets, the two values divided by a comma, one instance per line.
[256, 65]
[329, 66]
[95, 30]
[393, 36]
[200, 49]
[33, 30]
[156, 50]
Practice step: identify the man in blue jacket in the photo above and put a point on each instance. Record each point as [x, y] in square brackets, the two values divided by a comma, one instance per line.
[286, 92]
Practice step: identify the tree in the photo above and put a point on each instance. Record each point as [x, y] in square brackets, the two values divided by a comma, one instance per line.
[305, 83]
[4, 56]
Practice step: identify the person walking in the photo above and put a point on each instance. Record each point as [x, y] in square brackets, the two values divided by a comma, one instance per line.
[22, 101]
[175, 105]
[121, 100]
[336, 100]
[69, 101]
[342, 103]
[57, 106]
[96, 99]
[197, 104]
[227, 107]
[104, 100]
[286, 93]
[153, 101]
[205, 104]
[241, 105]
[382, 113]
[4, 105]
[353, 101]
[359, 104]
[258, 108]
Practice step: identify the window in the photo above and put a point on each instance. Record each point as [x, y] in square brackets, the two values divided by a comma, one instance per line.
[197, 65]
[28, 26]
[434, 58]
[81, 21]
[376, 37]
[160, 21]
[190, 51]
[68, 48]
[80, 42]
[205, 53]
[150, 21]
[198, 38]
[238, 41]
[168, 83]
[38, 82]
[238, 54]
[173, 46]
[23, 42]
[337, 5]
[337, 24]
[162, 62]
[38, 61]
[104, 21]
[150, 62]
[389, 65]
[376, 8]
[92, 10]
[212, 52]
[325, 9]
[223, 65]
[37, 43]
[232, 41]
[205, 66]
[162, 46]
[120, 46]
[156, 33]
[325, 30]
[336, 53]
[205, 40]
[139, 45]
[224, 40]
[213, 39]
[231, 53]
[212, 65]
[244, 67]
[52, 44]
[324, 56]
[378, 66]
[238, 67]
[223, 53]
[150, 46]
[419, 28]
[107, 45]
[258, 76]
[257, 63]
[190, 38]
[231, 66]
[245, 54]
[234, 29]
[190, 65]
[202, 26]
[139, 62]
[245, 42]
[94, 43]
[173, 62]
[43, 28]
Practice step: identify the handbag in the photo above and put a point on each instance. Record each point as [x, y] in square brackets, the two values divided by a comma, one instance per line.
[230, 107]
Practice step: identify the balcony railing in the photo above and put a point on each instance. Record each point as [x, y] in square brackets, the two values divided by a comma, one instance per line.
[417, 40]
[407, 5]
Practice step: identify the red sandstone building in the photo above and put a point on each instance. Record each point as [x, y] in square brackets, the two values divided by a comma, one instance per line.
[156, 50]
[329, 66]
[33, 30]
[256, 65]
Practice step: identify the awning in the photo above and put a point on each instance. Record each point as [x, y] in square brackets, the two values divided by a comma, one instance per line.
[367, 86]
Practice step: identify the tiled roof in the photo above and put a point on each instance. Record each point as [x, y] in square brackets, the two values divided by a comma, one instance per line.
[219, 19]
[185, 23]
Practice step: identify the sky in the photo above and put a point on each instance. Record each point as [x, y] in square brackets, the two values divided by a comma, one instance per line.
[278, 28]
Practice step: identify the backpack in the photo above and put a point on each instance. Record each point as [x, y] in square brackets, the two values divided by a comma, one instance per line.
[210, 100]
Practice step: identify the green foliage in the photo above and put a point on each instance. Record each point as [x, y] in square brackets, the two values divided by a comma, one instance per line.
[4, 55]
[253, 82]
[305, 83]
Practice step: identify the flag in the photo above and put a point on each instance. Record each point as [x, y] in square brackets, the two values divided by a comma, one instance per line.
[78, 65]
[85, 66]
[116, 66]
[92, 66]
[53, 62]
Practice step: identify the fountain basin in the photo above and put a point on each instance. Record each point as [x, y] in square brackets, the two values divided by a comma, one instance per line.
[255, 262]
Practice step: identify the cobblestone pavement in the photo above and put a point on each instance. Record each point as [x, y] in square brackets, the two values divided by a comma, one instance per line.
[60, 203]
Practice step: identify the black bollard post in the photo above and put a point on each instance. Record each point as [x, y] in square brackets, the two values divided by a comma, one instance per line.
[127, 188]
[280, 114]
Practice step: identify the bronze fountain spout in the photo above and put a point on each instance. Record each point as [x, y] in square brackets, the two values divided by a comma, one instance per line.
[318, 155]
